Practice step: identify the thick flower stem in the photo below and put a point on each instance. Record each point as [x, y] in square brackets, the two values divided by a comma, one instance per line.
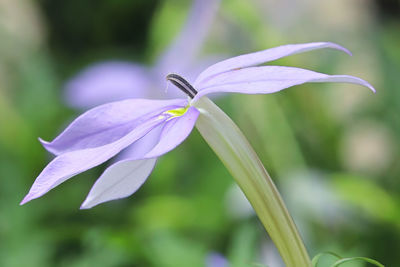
[228, 142]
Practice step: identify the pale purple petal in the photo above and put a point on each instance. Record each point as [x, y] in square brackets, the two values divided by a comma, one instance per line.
[72, 163]
[106, 82]
[175, 131]
[107, 123]
[185, 47]
[269, 79]
[117, 80]
[127, 174]
[120, 180]
[142, 146]
[216, 260]
[123, 178]
[260, 57]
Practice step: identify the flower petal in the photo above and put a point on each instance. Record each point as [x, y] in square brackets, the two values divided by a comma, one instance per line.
[260, 57]
[120, 180]
[72, 163]
[175, 131]
[127, 174]
[269, 79]
[105, 124]
[216, 260]
[106, 82]
[123, 178]
[142, 146]
[190, 39]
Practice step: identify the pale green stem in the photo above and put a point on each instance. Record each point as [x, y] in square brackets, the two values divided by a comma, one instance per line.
[228, 142]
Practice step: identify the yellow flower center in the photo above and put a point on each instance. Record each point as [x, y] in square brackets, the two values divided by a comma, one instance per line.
[176, 112]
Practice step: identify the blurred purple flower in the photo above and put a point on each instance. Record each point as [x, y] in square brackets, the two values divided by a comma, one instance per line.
[116, 80]
[216, 260]
[158, 126]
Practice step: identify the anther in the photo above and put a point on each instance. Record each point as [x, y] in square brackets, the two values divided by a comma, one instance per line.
[182, 84]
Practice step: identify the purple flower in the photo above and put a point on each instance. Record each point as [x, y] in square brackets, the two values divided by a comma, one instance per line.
[104, 131]
[216, 260]
[117, 80]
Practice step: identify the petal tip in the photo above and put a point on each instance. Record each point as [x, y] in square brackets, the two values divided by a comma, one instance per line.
[372, 89]
[87, 204]
[26, 199]
[48, 146]
[43, 142]
[339, 47]
[84, 207]
[368, 85]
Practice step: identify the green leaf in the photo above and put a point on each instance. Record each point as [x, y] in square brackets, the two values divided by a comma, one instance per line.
[317, 257]
[341, 260]
[344, 260]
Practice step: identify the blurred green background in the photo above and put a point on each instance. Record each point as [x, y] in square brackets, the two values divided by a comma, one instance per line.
[333, 149]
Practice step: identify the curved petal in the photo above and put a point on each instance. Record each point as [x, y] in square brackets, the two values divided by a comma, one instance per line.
[123, 178]
[175, 131]
[106, 82]
[72, 163]
[127, 174]
[260, 57]
[105, 124]
[269, 79]
[190, 39]
[142, 146]
[120, 180]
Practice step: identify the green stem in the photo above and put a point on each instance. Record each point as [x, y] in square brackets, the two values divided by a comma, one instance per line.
[228, 142]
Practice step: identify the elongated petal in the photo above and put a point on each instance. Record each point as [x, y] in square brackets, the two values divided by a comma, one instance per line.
[185, 47]
[270, 79]
[120, 180]
[72, 163]
[175, 131]
[106, 82]
[107, 123]
[124, 177]
[142, 146]
[260, 57]
[127, 174]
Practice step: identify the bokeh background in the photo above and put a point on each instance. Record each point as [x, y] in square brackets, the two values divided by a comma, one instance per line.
[333, 149]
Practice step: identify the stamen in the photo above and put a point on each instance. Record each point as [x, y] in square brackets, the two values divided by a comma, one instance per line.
[182, 84]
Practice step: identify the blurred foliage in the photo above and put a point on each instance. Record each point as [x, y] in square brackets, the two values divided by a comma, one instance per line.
[77, 29]
[183, 212]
